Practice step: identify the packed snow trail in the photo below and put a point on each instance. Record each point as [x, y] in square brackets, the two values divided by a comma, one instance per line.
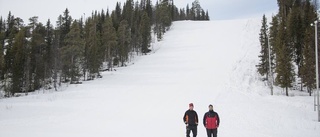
[200, 62]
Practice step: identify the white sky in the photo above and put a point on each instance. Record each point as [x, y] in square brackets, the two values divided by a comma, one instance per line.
[51, 9]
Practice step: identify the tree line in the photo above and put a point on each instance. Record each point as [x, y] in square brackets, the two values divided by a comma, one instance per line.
[36, 55]
[291, 37]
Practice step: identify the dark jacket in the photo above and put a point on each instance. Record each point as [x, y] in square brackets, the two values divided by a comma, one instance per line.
[211, 114]
[190, 118]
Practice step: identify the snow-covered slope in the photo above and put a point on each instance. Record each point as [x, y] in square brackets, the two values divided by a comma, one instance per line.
[200, 62]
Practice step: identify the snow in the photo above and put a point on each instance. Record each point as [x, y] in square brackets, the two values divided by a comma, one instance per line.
[200, 62]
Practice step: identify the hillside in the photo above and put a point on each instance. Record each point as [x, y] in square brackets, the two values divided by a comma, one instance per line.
[200, 62]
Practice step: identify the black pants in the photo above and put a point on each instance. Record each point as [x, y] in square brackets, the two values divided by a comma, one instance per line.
[193, 129]
[212, 132]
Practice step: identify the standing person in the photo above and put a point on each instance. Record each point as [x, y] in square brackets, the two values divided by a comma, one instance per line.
[211, 121]
[190, 118]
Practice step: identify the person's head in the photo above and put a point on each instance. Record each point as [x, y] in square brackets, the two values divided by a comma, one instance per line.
[210, 107]
[191, 106]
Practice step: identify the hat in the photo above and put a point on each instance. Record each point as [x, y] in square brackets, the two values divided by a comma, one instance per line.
[210, 105]
[191, 104]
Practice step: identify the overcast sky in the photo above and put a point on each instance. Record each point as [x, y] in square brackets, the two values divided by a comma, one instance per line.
[51, 9]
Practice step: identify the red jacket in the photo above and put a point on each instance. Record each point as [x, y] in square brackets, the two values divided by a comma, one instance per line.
[211, 120]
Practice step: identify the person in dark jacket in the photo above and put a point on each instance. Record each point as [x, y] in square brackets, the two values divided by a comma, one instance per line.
[211, 121]
[190, 118]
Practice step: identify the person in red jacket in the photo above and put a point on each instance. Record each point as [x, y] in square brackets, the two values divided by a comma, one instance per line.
[211, 121]
[190, 118]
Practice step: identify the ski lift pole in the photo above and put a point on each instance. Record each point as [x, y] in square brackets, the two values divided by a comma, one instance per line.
[317, 68]
[315, 91]
[270, 70]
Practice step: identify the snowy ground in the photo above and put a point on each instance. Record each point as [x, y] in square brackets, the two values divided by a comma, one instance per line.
[200, 62]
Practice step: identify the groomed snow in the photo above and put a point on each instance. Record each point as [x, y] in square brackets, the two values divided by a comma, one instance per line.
[200, 62]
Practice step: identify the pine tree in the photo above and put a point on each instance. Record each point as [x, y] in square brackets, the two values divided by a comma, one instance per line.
[291, 40]
[295, 33]
[310, 14]
[207, 15]
[109, 41]
[65, 26]
[175, 13]
[273, 33]
[145, 31]
[308, 64]
[86, 55]
[48, 53]
[36, 54]
[182, 15]
[10, 33]
[193, 12]
[135, 30]
[72, 52]
[188, 13]
[196, 8]
[284, 8]
[263, 67]
[149, 11]
[56, 59]
[157, 28]
[2, 39]
[92, 49]
[18, 62]
[124, 36]
[284, 68]
[307, 70]
[33, 22]
[127, 12]
[163, 19]
[100, 43]
[36, 49]
[116, 16]
[14, 25]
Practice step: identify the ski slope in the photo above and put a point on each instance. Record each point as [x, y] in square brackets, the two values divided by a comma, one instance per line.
[200, 62]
